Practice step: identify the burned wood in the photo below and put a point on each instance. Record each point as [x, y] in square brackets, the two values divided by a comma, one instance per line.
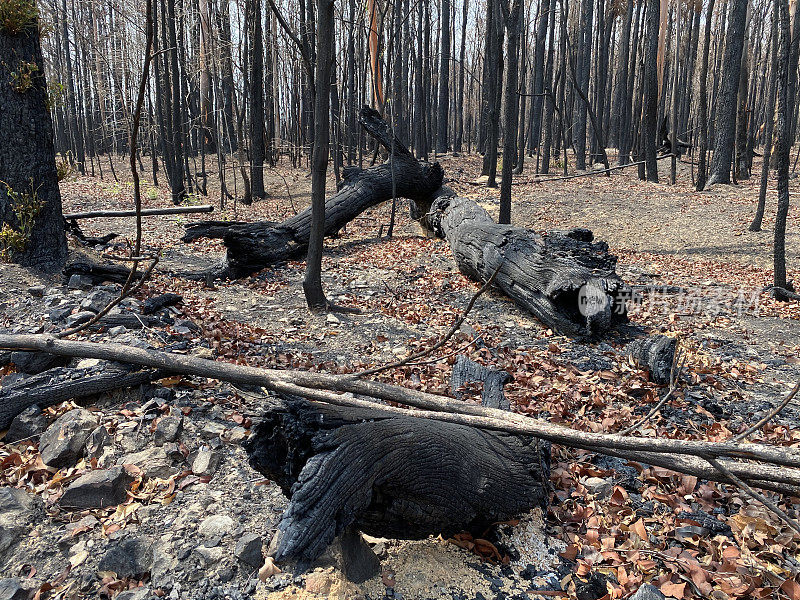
[466, 371]
[212, 229]
[97, 272]
[156, 303]
[388, 475]
[33, 363]
[567, 281]
[254, 246]
[656, 354]
[88, 240]
[171, 210]
[60, 384]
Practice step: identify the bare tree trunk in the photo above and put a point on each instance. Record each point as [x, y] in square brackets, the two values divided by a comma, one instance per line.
[650, 106]
[725, 122]
[257, 146]
[30, 201]
[312, 283]
[444, 79]
[511, 116]
[784, 143]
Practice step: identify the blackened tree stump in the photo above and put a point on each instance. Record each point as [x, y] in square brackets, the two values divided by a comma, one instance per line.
[656, 354]
[389, 476]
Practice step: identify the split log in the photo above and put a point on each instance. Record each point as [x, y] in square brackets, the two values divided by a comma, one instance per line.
[170, 210]
[254, 246]
[767, 467]
[60, 384]
[390, 476]
[656, 354]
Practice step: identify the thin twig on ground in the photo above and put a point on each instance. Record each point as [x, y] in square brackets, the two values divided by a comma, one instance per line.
[455, 327]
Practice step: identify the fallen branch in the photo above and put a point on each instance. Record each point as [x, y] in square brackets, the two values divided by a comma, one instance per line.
[670, 453]
[170, 210]
[61, 384]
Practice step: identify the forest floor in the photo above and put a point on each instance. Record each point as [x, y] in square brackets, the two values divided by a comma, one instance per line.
[625, 522]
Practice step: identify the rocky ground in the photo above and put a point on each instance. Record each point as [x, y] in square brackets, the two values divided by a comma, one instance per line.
[146, 491]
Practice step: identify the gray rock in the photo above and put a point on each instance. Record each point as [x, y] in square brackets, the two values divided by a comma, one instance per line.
[17, 509]
[61, 312]
[37, 291]
[167, 430]
[209, 556]
[153, 461]
[79, 282]
[79, 318]
[97, 301]
[118, 330]
[128, 558]
[97, 441]
[97, 489]
[598, 486]
[30, 423]
[648, 592]
[62, 444]
[248, 550]
[142, 593]
[216, 526]
[205, 463]
[13, 588]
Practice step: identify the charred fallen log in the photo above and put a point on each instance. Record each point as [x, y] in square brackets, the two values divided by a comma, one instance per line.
[254, 246]
[389, 475]
[214, 229]
[97, 272]
[564, 279]
[60, 384]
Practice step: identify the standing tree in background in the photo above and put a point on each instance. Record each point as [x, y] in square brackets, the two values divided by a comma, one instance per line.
[783, 129]
[312, 283]
[725, 122]
[584, 52]
[511, 115]
[257, 145]
[703, 116]
[31, 224]
[650, 108]
[769, 123]
[444, 80]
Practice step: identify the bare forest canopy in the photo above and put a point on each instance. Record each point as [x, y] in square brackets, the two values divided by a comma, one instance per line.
[234, 80]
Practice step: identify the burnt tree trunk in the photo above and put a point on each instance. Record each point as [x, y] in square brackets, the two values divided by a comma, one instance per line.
[254, 246]
[565, 280]
[60, 384]
[27, 156]
[389, 476]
